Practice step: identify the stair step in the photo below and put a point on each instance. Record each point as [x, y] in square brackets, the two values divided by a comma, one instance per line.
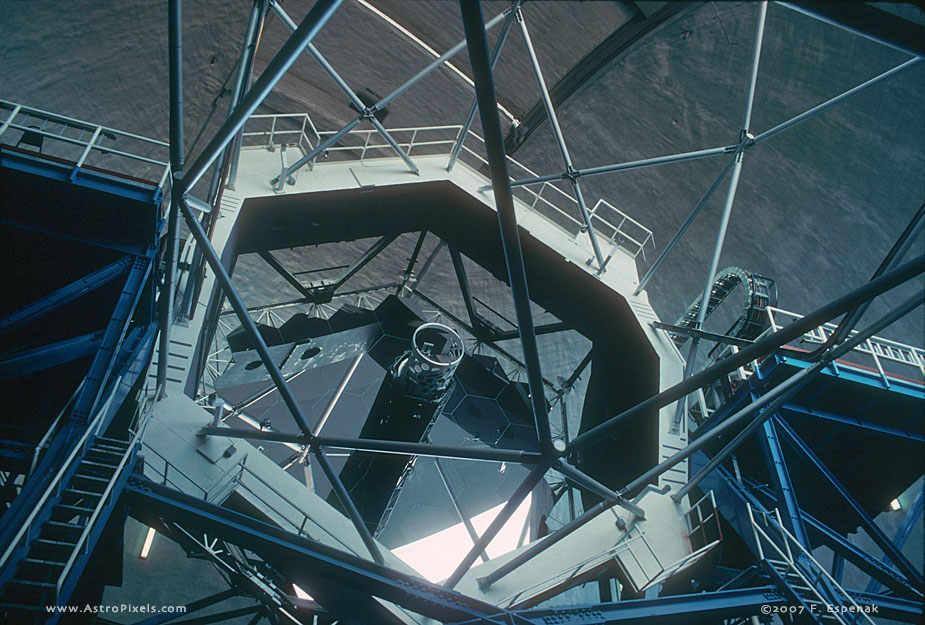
[94, 478]
[65, 525]
[96, 463]
[65, 506]
[112, 441]
[84, 493]
[39, 562]
[29, 582]
[56, 543]
[115, 453]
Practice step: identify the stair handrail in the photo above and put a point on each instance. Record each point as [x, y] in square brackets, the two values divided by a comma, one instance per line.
[146, 409]
[26, 527]
[53, 428]
[789, 538]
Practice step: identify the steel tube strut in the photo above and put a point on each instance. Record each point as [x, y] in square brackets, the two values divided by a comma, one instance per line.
[784, 391]
[727, 207]
[234, 298]
[280, 180]
[757, 350]
[684, 226]
[802, 117]
[535, 475]
[466, 293]
[171, 254]
[175, 59]
[463, 518]
[412, 261]
[382, 446]
[245, 66]
[348, 504]
[608, 169]
[589, 483]
[311, 24]
[886, 545]
[560, 139]
[342, 84]
[436, 451]
[507, 219]
[470, 116]
[899, 249]
[384, 102]
[277, 266]
[540, 546]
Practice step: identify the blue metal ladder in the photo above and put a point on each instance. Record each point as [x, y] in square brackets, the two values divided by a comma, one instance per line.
[55, 555]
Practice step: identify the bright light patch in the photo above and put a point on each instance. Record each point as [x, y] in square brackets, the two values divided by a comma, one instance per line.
[149, 540]
[301, 594]
[436, 556]
[895, 505]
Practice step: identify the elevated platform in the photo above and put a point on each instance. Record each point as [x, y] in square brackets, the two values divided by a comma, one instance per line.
[352, 196]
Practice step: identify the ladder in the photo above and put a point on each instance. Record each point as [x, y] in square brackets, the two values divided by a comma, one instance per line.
[801, 575]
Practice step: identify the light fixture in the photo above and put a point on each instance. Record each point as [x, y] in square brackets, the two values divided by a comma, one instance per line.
[895, 505]
[149, 540]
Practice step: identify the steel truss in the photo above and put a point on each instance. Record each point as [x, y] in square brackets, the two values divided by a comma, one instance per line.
[371, 577]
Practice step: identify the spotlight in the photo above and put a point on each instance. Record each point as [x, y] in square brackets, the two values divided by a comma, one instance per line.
[895, 505]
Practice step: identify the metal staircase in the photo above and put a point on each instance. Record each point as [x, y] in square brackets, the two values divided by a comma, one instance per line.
[57, 549]
[817, 596]
[43, 562]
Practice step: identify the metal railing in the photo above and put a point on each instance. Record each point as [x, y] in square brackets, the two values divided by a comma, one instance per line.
[140, 420]
[618, 229]
[213, 494]
[24, 535]
[636, 548]
[784, 548]
[81, 143]
[879, 349]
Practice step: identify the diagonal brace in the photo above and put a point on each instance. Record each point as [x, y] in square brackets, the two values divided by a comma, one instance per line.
[65, 294]
[874, 531]
[381, 104]
[366, 112]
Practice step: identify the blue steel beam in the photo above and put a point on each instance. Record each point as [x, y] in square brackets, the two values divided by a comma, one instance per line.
[706, 607]
[46, 356]
[65, 294]
[150, 502]
[118, 324]
[889, 607]
[758, 349]
[854, 373]
[825, 535]
[780, 478]
[872, 529]
[804, 412]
